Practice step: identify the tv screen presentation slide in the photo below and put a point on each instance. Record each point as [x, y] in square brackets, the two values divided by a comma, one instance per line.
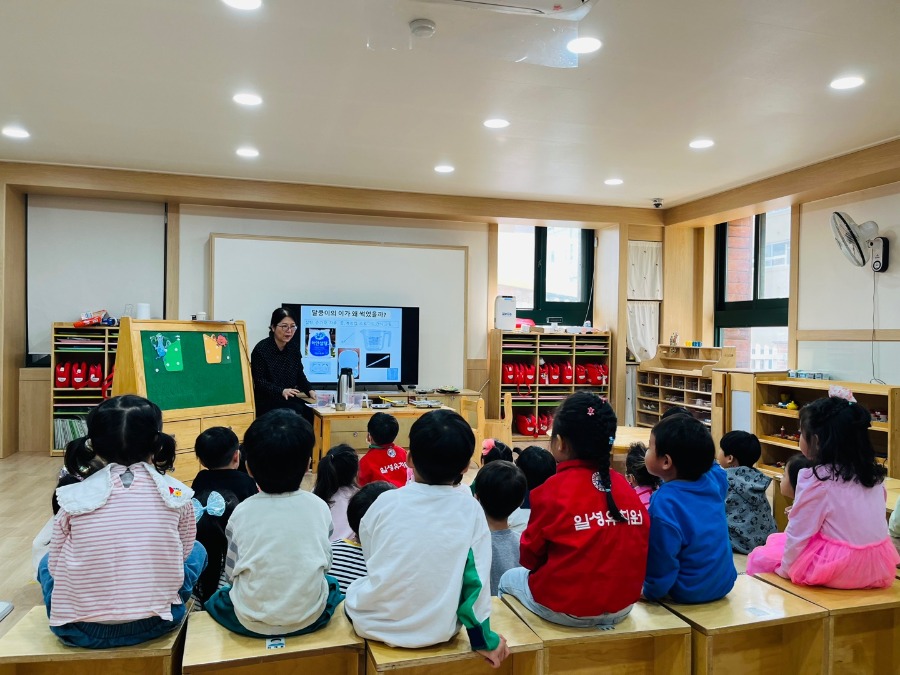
[366, 339]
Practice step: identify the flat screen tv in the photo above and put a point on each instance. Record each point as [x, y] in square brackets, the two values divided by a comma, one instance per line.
[380, 344]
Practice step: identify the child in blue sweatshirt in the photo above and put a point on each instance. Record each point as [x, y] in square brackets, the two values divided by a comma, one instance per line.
[690, 557]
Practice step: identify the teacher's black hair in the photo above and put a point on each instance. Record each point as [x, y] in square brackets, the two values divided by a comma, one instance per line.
[278, 316]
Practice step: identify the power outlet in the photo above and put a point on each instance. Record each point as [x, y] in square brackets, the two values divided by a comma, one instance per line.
[880, 254]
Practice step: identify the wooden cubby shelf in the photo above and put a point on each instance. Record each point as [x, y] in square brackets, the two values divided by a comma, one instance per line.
[679, 376]
[92, 346]
[531, 349]
[769, 419]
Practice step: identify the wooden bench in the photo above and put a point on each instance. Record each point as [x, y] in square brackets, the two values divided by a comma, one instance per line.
[756, 628]
[211, 648]
[29, 648]
[863, 627]
[456, 657]
[650, 640]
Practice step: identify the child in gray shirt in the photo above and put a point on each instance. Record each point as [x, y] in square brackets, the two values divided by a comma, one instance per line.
[500, 487]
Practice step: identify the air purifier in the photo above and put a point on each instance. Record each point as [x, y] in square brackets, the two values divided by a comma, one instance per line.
[505, 312]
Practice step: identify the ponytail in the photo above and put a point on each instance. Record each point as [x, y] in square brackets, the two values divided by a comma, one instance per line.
[80, 459]
[588, 424]
[338, 468]
[164, 456]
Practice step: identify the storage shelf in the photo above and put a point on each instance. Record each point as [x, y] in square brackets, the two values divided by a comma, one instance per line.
[780, 442]
[779, 412]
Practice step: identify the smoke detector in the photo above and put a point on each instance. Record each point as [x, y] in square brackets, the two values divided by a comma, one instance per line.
[422, 28]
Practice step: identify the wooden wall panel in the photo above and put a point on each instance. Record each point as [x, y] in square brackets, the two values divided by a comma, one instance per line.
[34, 410]
[12, 302]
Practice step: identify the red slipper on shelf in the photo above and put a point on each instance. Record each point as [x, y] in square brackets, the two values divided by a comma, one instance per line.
[95, 375]
[63, 375]
[79, 375]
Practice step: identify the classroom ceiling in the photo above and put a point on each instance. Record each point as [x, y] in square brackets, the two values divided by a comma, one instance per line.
[148, 84]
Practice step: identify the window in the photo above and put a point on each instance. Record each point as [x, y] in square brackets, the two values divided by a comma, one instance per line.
[549, 270]
[753, 258]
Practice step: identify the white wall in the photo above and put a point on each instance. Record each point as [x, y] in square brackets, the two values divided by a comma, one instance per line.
[198, 222]
[835, 295]
[91, 254]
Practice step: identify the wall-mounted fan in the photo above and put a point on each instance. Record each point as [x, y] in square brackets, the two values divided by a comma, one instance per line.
[858, 243]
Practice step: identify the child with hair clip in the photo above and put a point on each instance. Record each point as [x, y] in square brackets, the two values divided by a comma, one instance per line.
[493, 450]
[123, 559]
[584, 551]
[767, 557]
[212, 509]
[643, 482]
[336, 484]
[837, 535]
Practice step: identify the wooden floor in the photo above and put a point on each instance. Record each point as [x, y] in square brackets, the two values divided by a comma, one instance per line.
[27, 480]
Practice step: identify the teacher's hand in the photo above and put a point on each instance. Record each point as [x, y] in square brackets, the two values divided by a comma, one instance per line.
[288, 393]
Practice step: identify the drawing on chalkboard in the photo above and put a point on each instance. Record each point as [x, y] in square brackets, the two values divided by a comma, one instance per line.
[173, 359]
[160, 344]
[212, 348]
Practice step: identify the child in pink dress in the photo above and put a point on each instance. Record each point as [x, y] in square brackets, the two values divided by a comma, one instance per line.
[837, 535]
[767, 557]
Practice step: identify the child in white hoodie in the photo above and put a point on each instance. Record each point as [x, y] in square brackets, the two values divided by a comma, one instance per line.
[444, 531]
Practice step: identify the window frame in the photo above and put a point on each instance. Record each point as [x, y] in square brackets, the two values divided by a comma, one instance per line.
[758, 312]
[569, 313]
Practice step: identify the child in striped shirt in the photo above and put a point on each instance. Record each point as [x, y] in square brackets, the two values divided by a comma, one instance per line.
[122, 560]
[347, 560]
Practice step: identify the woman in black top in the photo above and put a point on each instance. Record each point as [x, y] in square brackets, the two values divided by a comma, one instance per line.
[278, 377]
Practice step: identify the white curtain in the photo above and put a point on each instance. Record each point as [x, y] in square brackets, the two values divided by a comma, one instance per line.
[645, 270]
[643, 328]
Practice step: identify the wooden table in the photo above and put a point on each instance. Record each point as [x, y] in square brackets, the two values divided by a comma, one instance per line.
[625, 436]
[327, 416]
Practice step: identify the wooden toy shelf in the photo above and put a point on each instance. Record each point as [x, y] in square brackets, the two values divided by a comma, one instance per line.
[530, 349]
[770, 420]
[679, 376]
[92, 346]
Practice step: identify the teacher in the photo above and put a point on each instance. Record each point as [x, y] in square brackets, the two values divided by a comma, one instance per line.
[278, 377]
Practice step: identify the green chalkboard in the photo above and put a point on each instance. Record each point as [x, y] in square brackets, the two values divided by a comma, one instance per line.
[192, 369]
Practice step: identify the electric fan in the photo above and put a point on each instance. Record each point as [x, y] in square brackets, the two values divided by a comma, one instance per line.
[858, 243]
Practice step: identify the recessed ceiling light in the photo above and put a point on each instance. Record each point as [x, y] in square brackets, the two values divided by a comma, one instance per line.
[444, 168]
[701, 143]
[847, 82]
[247, 99]
[244, 4]
[15, 132]
[614, 181]
[496, 123]
[584, 45]
[247, 152]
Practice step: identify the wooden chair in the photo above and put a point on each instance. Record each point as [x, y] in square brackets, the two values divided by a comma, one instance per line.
[210, 648]
[756, 628]
[29, 648]
[650, 640]
[863, 627]
[501, 429]
[456, 656]
[472, 411]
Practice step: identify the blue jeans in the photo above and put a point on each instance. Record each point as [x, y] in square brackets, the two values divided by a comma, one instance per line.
[103, 636]
[221, 608]
[515, 583]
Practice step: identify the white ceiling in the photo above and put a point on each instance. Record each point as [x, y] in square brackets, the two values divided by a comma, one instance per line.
[147, 84]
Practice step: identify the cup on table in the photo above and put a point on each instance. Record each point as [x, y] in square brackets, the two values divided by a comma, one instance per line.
[323, 399]
[356, 401]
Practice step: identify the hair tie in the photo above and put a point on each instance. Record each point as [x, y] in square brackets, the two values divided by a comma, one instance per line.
[612, 439]
[215, 505]
[837, 391]
[590, 412]
[486, 446]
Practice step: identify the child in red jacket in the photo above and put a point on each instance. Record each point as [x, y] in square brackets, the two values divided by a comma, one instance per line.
[584, 552]
[385, 460]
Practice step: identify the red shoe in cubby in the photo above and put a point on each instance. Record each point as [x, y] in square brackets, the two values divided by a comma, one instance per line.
[525, 425]
[566, 373]
[580, 375]
[543, 423]
[95, 375]
[544, 374]
[554, 373]
[63, 375]
[79, 375]
[509, 373]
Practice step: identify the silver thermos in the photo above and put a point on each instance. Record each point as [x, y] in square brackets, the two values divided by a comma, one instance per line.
[345, 385]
